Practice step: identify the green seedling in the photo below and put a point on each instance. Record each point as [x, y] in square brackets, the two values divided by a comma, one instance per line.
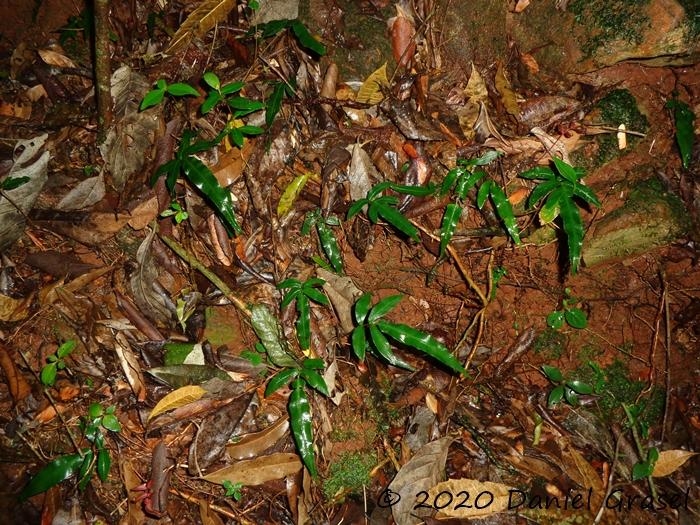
[384, 207]
[326, 237]
[569, 314]
[489, 190]
[303, 294]
[157, 94]
[56, 362]
[685, 131]
[298, 29]
[232, 490]
[274, 103]
[373, 333]
[196, 172]
[560, 190]
[644, 468]
[95, 458]
[564, 389]
[497, 274]
[176, 212]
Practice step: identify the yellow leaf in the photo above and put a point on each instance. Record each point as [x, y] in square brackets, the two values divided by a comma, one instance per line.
[13, 310]
[506, 91]
[199, 22]
[290, 194]
[177, 398]
[669, 461]
[370, 92]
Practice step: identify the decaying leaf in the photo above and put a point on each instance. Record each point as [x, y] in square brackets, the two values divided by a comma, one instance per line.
[290, 194]
[85, 194]
[18, 386]
[670, 461]
[13, 310]
[485, 128]
[484, 498]
[252, 445]
[177, 398]
[402, 28]
[177, 376]
[130, 366]
[201, 20]
[421, 473]
[342, 293]
[361, 172]
[154, 305]
[508, 97]
[268, 329]
[370, 91]
[259, 470]
[31, 164]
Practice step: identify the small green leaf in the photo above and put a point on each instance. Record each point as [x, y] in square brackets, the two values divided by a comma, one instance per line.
[110, 422]
[300, 423]
[541, 191]
[381, 344]
[359, 342]
[56, 471]
[11, 183]
[95, 410]
[104, 463]
[303, 322]
[86, 470]
[580, 387]
[552, 373]
[211, 80]
[362, 306]
[213, 98]
[505, 212]
[483, 193]
[48, 374]
[551, 208]
[330, 246]
[306, 40]
[356, 207]
[281, 379]
[383, 307]
[685, 132]
[394, 217]
[450, 219]
[316, 296]
[570, 396]
[245, 104]
[642, 470]
[248, 130]
[315, 380]
[313, 364]
[180, 89]
[450, 180]
[573, 227]
[565, 170]
[555, 320]
[466, 183]
[152, 98]
[233, 87]
[585, 193]
[274, 103]
[555, 396]
[576, 318]
[539, 173]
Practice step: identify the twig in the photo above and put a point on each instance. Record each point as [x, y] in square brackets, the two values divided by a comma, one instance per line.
[103, 70]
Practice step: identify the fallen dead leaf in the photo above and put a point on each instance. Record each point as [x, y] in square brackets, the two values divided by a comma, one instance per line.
[670, 461]
[468, 498]
[259, 470]
[177, 398]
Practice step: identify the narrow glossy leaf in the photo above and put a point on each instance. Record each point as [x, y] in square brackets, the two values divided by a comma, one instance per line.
[416, 191]
[86, 469]
[11, 183]
[373, 212]
[233, 87]
[573, 227]
[576, 318]
[555, 396]
[211, 80]
[362, 306]
[570, 396]
[450, 180]
[289, 283]
[56, 471]
[383, 307]
[330, 247]
[104, 463]
[303, 322]
[267, 329]
[504, 210]
[203, 179]
[466, 183]
[565, 170]
[289, 297]
[453, 212]
[381, 344]
[580, 387]
[483, 193]
[48, 374]
[540, 173]
[553, 373]
[541, 191]
[110, 422]
[551, 208]
[315, 381]
[249, 130]
[172, 169]
[235, 136]
[485, 159]
[555, 320]
[356, 207]
[306, 40]
[212, 100]
[152, 98]
[685, 132]
[280, 380]
[316, 295]
[270, 29]
[398, 221]
[274, 103]
[300, 422]
[180, 89]
[585, 193]
[426, 343]
[309, 221]
[245, 104]
[359, 342]
[313, 364]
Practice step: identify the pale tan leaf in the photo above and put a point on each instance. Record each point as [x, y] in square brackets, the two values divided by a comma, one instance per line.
[88, 192]
[258, 471]
[205, 17]
[53, 58]
[485, 128]
[342, 292]
[521, 5]
[361, 172]
[476, 89]
[506, 91]
[251, 445]
[483, 498]
[671, 460]
[12, 310]
[130, 366]
[370, 91]
[177, 398]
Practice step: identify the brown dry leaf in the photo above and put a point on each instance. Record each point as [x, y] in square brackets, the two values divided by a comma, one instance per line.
[485, 128]
[177, 398]
[18, 110]
[88, 192]
[130, 366]
[370, 91]
[207, 515]
[361, 172]
[530, 63]
[144, 213]
[670, 461]
[143, 283]
[13, 310]
[342, 293]
[199, 22]
[521, 5]
[229, 168]
[53, 58]
[483, 498]
[552, 145]
[259, 470]
[524, 146]
[582, 472]
[402, 29]
[420, 473]
[504, 89]
[251, 445]
[18, 386]
[130, 476]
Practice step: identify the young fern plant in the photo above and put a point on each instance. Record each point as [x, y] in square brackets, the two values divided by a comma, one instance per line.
[373, 333]
[384, 207]
[560, 189]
